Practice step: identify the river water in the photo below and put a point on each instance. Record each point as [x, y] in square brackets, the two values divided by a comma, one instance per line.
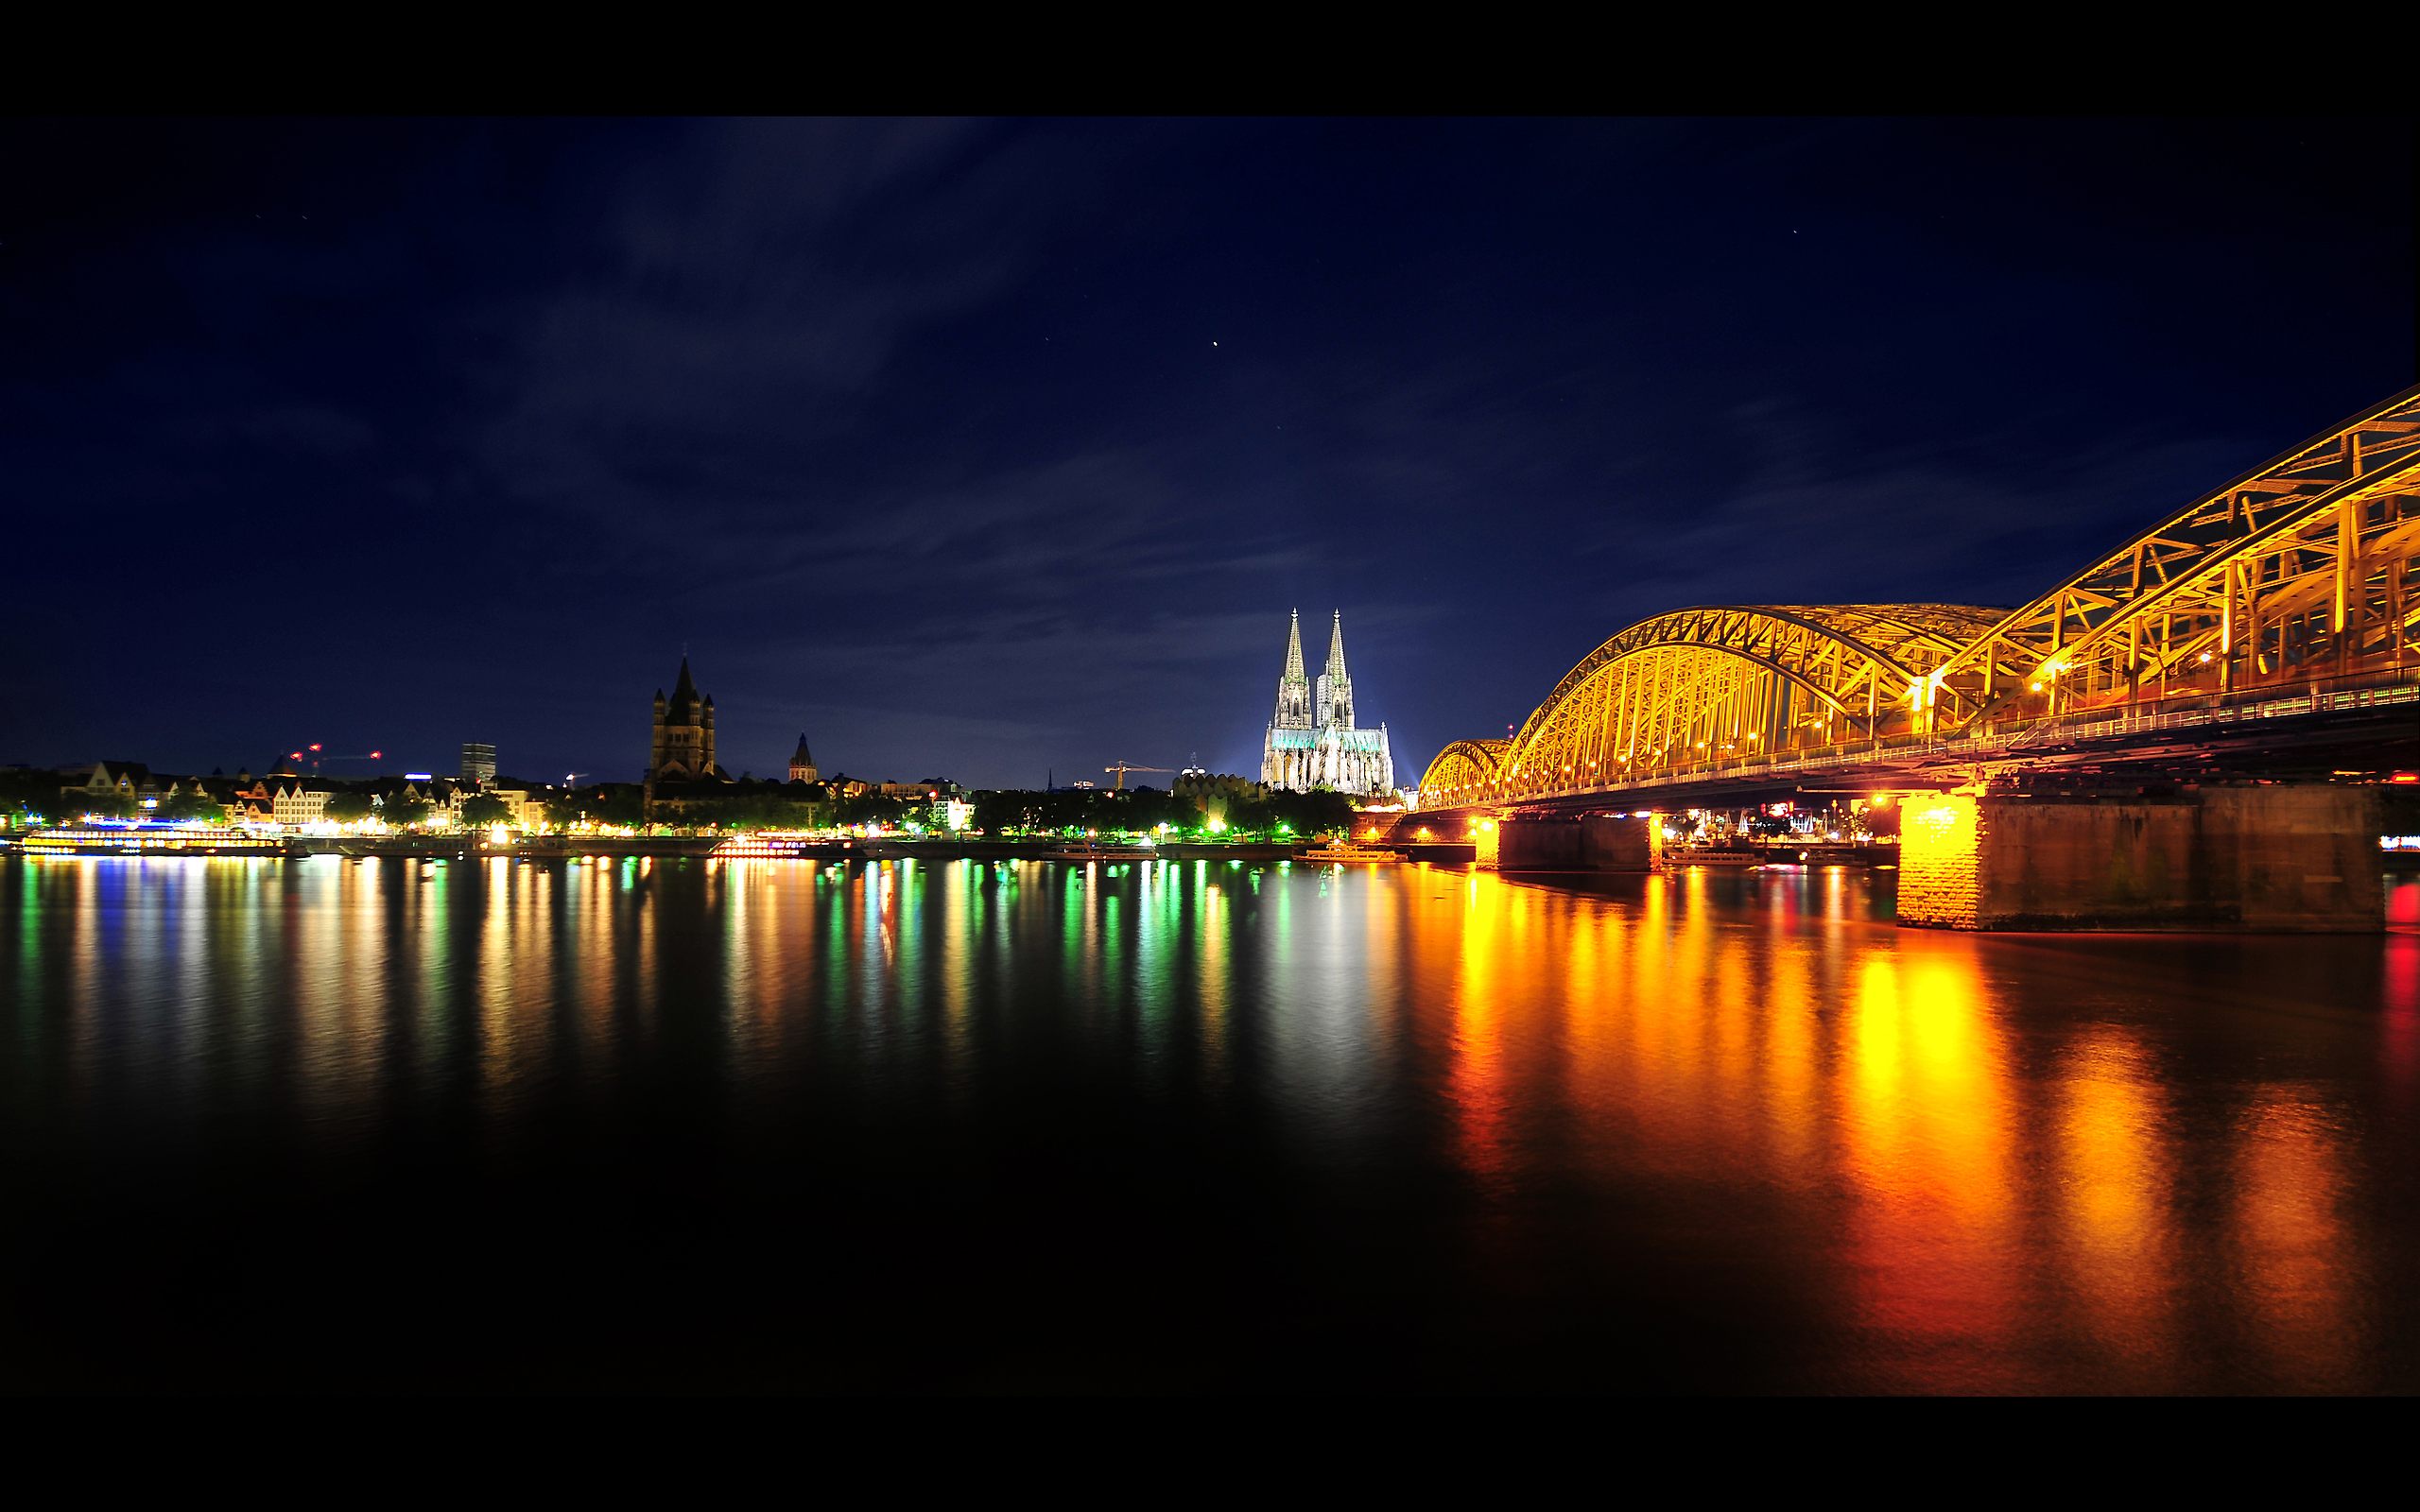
[1020, 1126]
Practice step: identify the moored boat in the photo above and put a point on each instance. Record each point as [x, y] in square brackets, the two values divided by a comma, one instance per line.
[778, 847]
[1345, 852]
[1092, 850]
[144, 838]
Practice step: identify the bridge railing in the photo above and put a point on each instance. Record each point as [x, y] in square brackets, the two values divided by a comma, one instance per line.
[2398, 686]
[2187, 711]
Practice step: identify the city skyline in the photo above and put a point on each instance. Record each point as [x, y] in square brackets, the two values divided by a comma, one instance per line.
[1638, 757]
[1013, 436]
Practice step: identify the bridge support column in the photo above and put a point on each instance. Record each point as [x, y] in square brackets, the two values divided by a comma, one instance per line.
[1598, 842]
[2283, 858]
[1487, 841]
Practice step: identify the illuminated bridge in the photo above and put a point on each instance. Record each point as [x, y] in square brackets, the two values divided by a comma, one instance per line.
[2266, 623]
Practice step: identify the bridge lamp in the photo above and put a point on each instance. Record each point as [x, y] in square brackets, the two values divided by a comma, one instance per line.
[2037, 687]
[2206, 656]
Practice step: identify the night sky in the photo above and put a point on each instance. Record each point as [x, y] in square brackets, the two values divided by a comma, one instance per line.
[991, 449]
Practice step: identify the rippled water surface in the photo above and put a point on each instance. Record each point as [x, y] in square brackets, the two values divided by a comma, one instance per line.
[972, 1126]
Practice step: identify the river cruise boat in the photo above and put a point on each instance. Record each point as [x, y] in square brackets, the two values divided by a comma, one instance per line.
[778, 848]
[147, 839]
[1722, 855]
[1094, 850]
[1345, 852]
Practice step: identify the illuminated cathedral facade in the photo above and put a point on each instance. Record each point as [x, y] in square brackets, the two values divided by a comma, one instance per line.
[1313, 741]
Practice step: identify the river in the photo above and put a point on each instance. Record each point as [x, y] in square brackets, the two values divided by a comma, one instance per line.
[975, 1125]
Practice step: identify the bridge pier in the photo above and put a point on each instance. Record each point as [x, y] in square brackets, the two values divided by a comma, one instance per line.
[2288, 858]
[1596, 842]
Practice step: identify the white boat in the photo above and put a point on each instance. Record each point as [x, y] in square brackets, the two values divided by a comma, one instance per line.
[1347, 853]
[1088, 850]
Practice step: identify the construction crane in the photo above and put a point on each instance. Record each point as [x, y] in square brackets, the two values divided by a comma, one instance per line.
[316, 755]
[1124, 768]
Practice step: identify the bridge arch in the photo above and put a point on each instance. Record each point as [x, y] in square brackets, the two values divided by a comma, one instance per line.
[1725, 682]
[1466, 771]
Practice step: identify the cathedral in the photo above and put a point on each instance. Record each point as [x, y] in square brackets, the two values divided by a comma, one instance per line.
[683, 750]
[1313, 742]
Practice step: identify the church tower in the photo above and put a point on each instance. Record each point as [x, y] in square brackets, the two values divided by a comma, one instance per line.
[802, 763]
[683, 745]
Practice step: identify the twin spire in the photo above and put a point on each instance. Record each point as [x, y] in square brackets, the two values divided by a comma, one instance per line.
[1295, 703]
[1294, 647]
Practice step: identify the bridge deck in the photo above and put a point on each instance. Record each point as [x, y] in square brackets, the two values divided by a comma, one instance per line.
[2264, 733]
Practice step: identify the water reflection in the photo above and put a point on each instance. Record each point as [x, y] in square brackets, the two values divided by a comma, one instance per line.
[2116, 1222]
[1928, 1162]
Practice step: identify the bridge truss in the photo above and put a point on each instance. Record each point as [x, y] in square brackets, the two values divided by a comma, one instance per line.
[2302, 575]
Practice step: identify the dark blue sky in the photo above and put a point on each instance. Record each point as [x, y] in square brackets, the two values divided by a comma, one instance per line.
[982, 449]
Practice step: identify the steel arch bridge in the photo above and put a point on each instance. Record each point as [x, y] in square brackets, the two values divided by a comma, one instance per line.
[2301, 577]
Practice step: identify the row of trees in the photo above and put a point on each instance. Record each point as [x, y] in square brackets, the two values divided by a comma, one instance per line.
[32, 797]
[1245, 811]
[741, 805]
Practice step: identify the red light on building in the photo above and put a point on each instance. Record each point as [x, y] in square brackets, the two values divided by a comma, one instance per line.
[2404, 777]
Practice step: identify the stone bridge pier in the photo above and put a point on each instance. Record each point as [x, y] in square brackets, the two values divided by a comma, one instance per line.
[2299, 858]
[1596, 842]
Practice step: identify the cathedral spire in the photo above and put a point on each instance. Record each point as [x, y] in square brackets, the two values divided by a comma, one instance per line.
[1335, 696]
[1294, 688]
